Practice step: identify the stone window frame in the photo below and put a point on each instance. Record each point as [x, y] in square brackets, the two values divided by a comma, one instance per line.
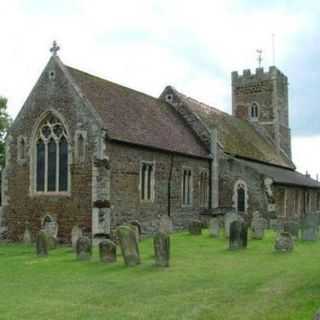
[22, 149]
[152, 182]
[254, 111]
[235, 195]
[204, 202]
[80, 158]
[33, 156]
[185, 204]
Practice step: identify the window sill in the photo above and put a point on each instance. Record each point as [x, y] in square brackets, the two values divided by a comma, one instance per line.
[51, 194]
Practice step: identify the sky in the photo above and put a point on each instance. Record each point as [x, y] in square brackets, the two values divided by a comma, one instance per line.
[192, 45]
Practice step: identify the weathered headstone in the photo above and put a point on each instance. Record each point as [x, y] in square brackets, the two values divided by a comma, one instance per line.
[161, 243]
[42, 244]
[234, 235]
[317, 315]
[228, 219]
[52, 242]
[310, 227]
[27, 235]
[84, 248]
[214, 227]
[107, 251]
[284, 242]
[258, 225]
[76, 233]
[244, 235]
[293, 229]
[50, 226]
[165, 224]
[129, 245]
[195, 227]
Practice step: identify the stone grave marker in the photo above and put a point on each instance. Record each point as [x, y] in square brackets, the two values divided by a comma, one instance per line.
[310, 227]
[244, 235]
[165, 224]
[107, 251]
[76, 233]
[228, 219]
[42, 244]
[161, 244]
[27, 235]
[195, 227]
[293, 229]
[258, 225]
[214, 227]
[50, 226]
[284, 242]
[238, 235]
[84, 248]
[129, 245]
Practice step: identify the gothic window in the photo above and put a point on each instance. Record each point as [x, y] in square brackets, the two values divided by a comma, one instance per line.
[186, 187]
[204, 188]
[240, 196]
[147, 181]
[254, 111]
[51, 154]
[81, 146]
[241, 199]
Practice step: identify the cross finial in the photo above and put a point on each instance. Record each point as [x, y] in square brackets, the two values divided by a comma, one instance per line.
[259, 52]
[55, 48]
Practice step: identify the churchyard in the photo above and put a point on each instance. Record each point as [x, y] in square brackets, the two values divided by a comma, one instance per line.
[205, 280]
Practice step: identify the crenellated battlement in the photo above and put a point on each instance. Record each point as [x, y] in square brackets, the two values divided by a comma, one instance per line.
[259, 75]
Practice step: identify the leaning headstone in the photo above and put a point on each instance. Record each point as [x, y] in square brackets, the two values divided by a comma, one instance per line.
[310, 227]
[42, 244]
[214, 227]
[161, 243]
[27, 235]
[228, 219]
[76, 233]
[84, 248]
[107, 251]
[165, 224]
[317, 315]
[129, 245]
[195, 227]
[258, 225]
[293, 229]
[135, 228]
[284, 242]
[234, 235]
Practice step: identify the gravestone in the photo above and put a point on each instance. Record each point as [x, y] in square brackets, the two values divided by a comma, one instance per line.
[293, 229]
[258, 225]
[244, 235]
[214, 227]
[76, 233]
[284, 242]
[107, 251]
[310, 227]
[42, 244]
[52, 242]
[238, 235]
[317, 315]
[27, 235]
[84, 248]
[228, 219]
[50, 226]
[129, 245]
[136, 230]
[161, 244]
[195, 227]
[165, 224]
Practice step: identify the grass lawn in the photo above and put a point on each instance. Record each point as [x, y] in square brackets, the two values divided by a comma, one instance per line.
[205, 281]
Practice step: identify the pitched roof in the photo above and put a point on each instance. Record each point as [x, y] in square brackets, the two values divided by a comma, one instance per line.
[238, 137]
[282, 175]
[134, 117]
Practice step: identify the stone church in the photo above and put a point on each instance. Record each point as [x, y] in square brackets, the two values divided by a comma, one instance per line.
[89, 152]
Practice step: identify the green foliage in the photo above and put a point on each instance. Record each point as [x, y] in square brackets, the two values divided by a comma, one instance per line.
[5, 122]
[205, 282]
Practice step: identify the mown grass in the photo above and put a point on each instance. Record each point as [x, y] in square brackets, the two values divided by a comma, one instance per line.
[205, 281]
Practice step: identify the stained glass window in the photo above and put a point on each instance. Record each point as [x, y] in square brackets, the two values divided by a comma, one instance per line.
[52, 157]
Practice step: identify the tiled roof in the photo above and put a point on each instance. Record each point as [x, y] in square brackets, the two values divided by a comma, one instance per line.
[282, 175]
[133, 117]
[238, 137]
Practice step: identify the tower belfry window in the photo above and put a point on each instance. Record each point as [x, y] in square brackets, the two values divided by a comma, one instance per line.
[254, 111]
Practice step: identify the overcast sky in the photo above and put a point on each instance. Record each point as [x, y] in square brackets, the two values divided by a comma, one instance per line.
[192, 45]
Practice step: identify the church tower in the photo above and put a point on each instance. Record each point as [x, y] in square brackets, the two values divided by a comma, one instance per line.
[262, 99]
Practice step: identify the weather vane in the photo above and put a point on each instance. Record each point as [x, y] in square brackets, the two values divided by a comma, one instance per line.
[259, 51]
[55, 48]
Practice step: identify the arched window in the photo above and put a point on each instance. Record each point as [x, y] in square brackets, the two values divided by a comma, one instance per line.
[254, 111]
[51, 154]
[240, 196]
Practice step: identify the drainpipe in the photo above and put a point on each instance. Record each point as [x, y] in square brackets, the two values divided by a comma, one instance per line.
[169, 184]
[214, 170]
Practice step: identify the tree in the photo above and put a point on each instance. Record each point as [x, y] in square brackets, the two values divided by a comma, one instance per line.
[5, 122]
